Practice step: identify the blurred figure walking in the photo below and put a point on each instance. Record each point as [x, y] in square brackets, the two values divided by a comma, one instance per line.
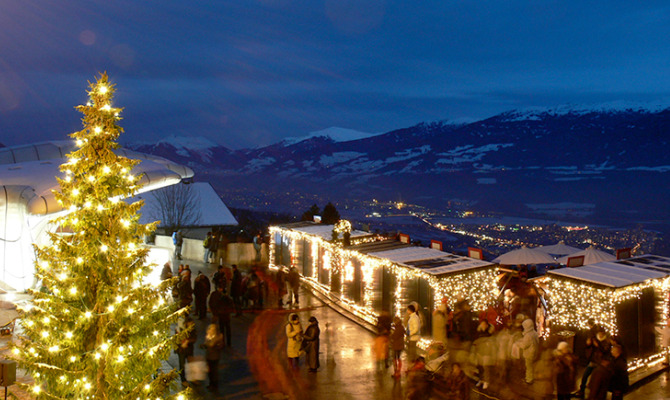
[397, 345]
[213, 345]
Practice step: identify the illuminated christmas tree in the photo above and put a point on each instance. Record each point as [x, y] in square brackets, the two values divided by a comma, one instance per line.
[96, 330]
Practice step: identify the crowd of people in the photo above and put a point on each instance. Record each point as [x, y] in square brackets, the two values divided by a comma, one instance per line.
[498, 349]
[226, 293]
[499, 354]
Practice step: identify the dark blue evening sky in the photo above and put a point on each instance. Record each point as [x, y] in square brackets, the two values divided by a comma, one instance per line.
[248, 73]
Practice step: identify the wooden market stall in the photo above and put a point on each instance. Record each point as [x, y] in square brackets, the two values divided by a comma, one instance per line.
[372, 274]
[629, 298]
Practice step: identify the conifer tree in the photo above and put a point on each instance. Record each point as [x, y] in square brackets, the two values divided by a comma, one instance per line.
[96, 330]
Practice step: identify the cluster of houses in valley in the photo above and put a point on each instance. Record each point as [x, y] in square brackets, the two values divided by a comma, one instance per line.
[368, 274]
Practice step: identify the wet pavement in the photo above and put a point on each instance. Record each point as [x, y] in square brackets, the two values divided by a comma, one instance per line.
[256, 366]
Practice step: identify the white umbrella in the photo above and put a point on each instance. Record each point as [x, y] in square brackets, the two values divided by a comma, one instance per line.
[524, 255]
[591, 256]
[559, 249]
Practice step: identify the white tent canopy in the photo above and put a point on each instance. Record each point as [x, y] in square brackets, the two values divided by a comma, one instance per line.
[558, 249]
[591, 256]
[524, 255]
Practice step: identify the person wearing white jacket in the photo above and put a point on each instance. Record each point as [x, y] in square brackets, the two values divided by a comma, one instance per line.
[528, 347]
[413, 332]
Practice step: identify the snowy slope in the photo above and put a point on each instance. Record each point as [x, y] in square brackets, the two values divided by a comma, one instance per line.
[334, 133]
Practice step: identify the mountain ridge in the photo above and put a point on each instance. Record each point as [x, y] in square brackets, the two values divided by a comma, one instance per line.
[615, 159]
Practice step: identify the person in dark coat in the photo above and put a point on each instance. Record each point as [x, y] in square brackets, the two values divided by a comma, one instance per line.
[458, 384]
[293, 286]
[219, 278]
[310, 343]
[619, 382]
[281, 286]
[221, 305]
[600, 380]
[185, 289]
[213, 345]
[236, 290]
[397, 340]
[201, 289]
[213, 247]
[565, 365]
[597, 348]
[166, 273]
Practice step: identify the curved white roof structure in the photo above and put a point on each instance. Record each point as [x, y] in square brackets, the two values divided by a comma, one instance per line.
[27, 180]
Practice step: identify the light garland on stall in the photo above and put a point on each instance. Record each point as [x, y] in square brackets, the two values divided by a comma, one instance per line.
[478, 286]
[573, 304]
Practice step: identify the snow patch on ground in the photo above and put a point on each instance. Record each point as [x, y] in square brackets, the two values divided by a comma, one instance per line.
[409, 153]
[660, 168]
[469, 153]
[258, 164]
[339, 158]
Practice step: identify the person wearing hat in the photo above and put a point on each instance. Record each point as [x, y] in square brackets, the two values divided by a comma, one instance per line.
[566, 371]
[294, 343]
[310, 344]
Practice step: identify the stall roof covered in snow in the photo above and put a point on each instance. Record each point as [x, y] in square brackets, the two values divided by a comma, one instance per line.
[431, 261]
[428, 260]
[213, 211]
[621, 273]
[322, 230]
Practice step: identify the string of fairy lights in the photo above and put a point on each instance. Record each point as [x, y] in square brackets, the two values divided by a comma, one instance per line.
[477, 286]
[571, 303]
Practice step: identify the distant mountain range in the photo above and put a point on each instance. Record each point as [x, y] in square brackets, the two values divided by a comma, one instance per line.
[601, 164]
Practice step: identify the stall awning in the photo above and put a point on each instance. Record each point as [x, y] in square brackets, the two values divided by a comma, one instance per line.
[610, 274]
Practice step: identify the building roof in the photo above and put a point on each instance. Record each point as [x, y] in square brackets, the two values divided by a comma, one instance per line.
[428, 260]
[31, 170]
[621, 273]
[213, 211]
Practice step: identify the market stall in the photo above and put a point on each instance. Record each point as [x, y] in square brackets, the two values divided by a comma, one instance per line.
[629, 298]
[373, 274]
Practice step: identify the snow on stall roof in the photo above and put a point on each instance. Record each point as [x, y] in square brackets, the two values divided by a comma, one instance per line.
[425, 259]
[325, 231]
[431, 261]
[610, 273]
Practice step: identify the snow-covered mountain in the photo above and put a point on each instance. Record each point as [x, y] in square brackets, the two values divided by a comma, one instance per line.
[334, 133]
[615, 158]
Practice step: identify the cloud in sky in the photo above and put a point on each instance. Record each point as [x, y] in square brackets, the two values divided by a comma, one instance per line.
[249, 72]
